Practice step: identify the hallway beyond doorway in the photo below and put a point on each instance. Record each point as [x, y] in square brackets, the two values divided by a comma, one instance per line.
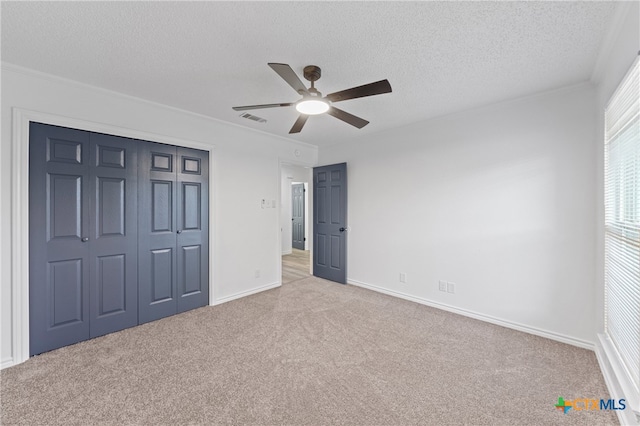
[295, 266]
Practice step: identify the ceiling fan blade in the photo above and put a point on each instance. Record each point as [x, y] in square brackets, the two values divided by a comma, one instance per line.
[347, 118]
[297, 126]
[377, 88]
[244, 108]
[290, 77]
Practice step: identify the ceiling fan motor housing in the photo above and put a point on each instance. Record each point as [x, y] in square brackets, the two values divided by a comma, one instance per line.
[312, 72]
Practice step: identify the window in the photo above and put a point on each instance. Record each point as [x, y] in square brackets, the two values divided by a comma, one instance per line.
[622, 223]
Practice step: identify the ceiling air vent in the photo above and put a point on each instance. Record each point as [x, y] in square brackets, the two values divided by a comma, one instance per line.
[253, 117]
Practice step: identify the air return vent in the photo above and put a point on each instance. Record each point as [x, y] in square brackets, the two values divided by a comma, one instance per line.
[253, 117]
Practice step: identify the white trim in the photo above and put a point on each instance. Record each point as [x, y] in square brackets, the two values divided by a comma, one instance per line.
[20, 239]
[20, 210]
[247, 293]
[608, 42]
[308, 213]
[6, 363]
[279, 223]
[482, 317]
[617, 381]
[57, 79]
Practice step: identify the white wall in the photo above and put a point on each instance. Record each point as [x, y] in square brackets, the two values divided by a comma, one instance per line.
[246, 169]
[293, 174]
[497, 200]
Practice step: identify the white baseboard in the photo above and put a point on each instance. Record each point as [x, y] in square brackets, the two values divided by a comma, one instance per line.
[246, 293]
[6, 363]
[284, 253]
[614, 377]
[482, 317]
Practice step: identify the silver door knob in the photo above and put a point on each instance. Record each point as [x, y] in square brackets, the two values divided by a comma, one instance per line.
[85, 239]
[180, 232]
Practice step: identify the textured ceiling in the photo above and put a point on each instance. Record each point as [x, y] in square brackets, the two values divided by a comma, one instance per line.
[206, 57]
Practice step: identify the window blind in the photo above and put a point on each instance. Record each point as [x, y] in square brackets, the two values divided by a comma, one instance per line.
[622, 221]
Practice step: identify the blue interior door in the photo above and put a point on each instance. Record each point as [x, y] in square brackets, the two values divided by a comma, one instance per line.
[330, 222]
[297, 216]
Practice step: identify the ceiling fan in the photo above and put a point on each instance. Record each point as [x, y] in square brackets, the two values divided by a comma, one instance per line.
[312, 102]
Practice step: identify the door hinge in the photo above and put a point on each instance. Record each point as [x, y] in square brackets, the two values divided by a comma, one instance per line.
[304, 190]
[304, 239]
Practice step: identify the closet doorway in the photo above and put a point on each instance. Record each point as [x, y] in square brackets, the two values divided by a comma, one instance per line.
[94, 209]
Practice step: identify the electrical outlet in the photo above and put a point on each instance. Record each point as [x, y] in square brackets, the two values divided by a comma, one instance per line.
[403, 277]
[257, 273]
[451, 287]
[442, 285]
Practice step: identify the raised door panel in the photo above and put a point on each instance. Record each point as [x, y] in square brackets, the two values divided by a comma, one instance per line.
[321, 206]
[65, 293]
[191, 279]
[63, 151]
[111, 285]
[335, 206]
[59, 265]
[111, 206]
[320, 253]
[336, 252]
[191, 208]
[64, 206]
[162, 288]
[162, 207]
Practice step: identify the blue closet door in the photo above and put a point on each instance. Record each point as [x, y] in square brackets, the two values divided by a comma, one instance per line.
[113, 234]
[82, 235]
[173, 244]
[59, 268]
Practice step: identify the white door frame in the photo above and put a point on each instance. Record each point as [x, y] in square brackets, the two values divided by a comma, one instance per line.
[20, 210]
[308, 212]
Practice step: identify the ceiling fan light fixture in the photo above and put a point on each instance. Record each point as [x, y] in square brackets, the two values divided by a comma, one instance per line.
[312, 102]
[312, 106]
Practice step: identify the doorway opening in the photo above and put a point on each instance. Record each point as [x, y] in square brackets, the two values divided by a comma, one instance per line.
[295, 223]
[295, 266]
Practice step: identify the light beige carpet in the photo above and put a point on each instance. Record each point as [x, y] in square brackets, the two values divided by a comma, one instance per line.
[308, 353]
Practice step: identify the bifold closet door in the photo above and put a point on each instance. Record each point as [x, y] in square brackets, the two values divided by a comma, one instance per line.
[82, 236]
[173, 232]
[113, 235]
[193, 229]
[58, 222]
